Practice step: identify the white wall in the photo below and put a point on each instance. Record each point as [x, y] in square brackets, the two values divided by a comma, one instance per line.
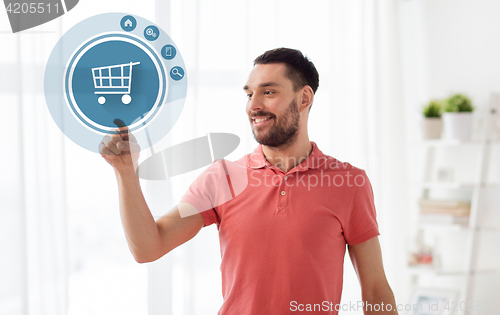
[451, 46]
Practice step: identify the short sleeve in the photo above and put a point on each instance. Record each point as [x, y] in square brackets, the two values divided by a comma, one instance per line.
[361, 223]
[209, 190]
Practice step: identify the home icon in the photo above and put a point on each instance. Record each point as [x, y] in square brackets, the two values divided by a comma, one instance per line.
[128, 23]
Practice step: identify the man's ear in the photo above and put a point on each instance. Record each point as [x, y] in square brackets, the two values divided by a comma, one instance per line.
[306, 98]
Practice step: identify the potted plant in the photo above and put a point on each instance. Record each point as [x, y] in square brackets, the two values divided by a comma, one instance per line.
[457, 117]
[432, 125]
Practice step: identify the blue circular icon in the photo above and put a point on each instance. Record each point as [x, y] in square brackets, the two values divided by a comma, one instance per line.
[151, 33]
[102, 85]
[177, 73]
[128, 23]
[168, 52]
[100, 72]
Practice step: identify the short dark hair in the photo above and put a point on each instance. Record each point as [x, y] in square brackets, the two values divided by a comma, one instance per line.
[300, 69]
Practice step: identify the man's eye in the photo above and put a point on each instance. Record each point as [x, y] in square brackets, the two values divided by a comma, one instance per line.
[249, 95]
[268, 92]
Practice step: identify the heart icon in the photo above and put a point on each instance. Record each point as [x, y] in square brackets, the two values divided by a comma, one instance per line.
[25, 14]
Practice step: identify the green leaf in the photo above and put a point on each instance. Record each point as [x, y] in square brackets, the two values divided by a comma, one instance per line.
[458, 103]
[433, 109]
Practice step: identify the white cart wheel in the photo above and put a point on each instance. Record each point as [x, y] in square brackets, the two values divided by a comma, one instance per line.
[126, 99]
[101, 100]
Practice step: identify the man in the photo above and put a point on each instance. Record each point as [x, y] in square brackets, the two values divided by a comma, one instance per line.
[283, 238]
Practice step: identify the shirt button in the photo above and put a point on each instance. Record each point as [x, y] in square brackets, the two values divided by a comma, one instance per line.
[283, 193]
[285, 177]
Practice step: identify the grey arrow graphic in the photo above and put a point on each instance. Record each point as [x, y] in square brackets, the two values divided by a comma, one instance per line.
[188, 156]
[25, 14]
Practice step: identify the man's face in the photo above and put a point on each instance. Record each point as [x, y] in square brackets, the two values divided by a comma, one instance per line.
[272, 105]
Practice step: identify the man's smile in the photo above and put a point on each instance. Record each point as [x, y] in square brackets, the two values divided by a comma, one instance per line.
[260, 120]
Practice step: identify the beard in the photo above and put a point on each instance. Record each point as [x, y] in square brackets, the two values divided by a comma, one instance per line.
[283, 132]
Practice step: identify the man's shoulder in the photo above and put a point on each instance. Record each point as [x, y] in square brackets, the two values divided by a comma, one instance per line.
[329, 163]
[336, 165]
[227, 167]
[221, 163]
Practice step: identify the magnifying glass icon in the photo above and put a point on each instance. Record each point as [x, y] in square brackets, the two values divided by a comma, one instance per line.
[175, 71]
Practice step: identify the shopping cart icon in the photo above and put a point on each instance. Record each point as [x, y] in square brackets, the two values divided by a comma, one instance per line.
[116, 79]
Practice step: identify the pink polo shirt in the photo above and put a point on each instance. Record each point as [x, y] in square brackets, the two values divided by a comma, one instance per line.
[283, 236]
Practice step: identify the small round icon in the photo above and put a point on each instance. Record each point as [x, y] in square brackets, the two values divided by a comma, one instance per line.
[168, 52]
[151, 33]
[177, 73]
[128, 23]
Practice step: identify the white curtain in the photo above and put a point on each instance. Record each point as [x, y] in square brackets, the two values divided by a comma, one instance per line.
[62, 246]
[33, 233]
[63, 249]
[357, 115]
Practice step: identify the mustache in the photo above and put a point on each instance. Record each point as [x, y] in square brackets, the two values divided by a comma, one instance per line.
[263, 113]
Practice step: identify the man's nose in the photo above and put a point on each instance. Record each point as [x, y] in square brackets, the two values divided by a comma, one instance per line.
[255, 104]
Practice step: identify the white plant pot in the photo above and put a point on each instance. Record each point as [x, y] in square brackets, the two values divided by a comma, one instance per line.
[432, 128]
[457, 125]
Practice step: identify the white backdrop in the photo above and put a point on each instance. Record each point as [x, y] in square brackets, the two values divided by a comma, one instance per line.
[63, 249]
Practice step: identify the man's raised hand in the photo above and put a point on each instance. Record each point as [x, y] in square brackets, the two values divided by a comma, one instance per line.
[120, 150]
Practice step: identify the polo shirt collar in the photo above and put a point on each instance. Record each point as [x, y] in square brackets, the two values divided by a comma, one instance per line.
[314, 160]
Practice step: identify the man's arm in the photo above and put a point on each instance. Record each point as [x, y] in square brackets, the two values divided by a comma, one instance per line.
[148, 239]
[375, 290]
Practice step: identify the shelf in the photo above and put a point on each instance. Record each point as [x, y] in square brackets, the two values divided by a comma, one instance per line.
[446, 185]
[444, 226]
[433, 225]
[428, 270]
[448, 142]
[454, 227]
[451, 142]
[454, 185]
[424, 270]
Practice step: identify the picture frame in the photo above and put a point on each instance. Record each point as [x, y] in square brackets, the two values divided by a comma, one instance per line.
[431, 301]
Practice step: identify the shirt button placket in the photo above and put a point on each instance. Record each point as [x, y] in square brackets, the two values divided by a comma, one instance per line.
[282, 197]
